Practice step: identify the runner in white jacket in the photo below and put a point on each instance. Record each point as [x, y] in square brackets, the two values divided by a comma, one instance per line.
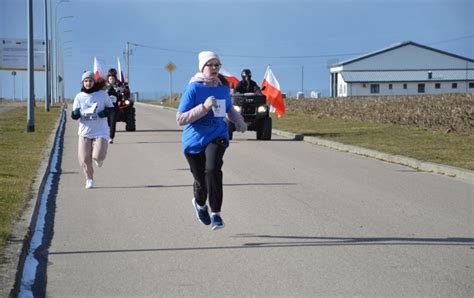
[91, 106]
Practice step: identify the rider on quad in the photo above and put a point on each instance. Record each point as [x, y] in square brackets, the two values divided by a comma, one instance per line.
[247, 85]
[120, 94]
[249, 101]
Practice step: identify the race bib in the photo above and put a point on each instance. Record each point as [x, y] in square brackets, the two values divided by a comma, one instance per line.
[89, 109]
[219, 109]
[92, 116]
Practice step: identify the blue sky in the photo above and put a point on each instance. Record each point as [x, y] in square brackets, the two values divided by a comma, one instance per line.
[298, 38]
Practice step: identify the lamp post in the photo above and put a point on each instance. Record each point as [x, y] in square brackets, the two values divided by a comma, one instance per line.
[57, 78]
[53, 46]
[30, 125]
[61, 65]
[47, 98]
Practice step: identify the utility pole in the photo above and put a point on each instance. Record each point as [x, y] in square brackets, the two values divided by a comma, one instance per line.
[46, 70]
[302, 78]
[50, 45]
[127, 53]
[31, 71]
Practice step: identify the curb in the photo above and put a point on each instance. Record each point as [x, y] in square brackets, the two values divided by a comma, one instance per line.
[466, 175]
[22, 230]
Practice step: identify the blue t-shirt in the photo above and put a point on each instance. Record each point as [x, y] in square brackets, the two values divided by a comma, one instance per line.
[197, 135]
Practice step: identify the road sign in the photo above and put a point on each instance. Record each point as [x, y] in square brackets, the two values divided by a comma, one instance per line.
[14, 54]
[170, 67]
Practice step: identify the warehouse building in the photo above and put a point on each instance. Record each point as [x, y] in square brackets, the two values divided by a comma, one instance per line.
[406, 68]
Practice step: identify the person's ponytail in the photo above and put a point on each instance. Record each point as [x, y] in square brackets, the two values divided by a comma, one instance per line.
[223, 80]
[100, 84]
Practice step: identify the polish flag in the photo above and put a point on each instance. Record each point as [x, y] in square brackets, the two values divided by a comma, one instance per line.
[119, 70]
[271, 89]
[98, 71]
[232, 79]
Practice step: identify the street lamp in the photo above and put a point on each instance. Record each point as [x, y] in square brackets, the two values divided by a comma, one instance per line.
[57, 4]
[53, 45]
[57, 52]
[47, 97]
[67, 50]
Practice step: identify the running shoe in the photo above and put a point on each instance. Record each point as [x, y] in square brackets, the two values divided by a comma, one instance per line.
[202, 213]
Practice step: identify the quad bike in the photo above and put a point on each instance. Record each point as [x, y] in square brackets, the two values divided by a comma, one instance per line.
[125, 112]
[255, 110]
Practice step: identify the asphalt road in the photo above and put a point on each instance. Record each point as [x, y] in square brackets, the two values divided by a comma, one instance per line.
[301, 220]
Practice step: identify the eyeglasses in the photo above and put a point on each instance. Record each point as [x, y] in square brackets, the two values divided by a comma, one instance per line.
[213, 65]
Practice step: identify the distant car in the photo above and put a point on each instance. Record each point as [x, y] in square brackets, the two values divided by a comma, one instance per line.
[256, 112]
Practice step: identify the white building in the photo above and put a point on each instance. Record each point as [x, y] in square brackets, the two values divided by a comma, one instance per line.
[403, 69]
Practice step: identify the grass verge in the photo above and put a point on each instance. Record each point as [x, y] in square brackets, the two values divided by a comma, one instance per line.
[419, 143]
[21, 154]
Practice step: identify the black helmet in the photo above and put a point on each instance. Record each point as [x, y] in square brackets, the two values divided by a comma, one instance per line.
[112, 72]
[246, 73]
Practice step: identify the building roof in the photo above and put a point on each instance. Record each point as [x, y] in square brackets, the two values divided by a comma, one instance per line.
[407, 76]
[399, 45]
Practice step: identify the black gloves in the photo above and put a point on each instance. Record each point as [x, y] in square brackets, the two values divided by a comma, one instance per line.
[76, 114]
[103, 113]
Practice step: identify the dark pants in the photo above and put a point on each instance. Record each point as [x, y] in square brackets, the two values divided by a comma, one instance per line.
[206, 169]
[112, 119]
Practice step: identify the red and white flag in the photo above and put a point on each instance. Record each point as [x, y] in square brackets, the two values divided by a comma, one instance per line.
[98, 71]
[232, 79]
[271, 89]
[119, 70]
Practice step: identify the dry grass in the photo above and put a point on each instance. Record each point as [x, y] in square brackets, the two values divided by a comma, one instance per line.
[447, 112]
[167, 101]
[420, 143]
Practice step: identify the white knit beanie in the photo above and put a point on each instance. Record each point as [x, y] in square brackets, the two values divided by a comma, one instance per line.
[88, 74]
[204, 57]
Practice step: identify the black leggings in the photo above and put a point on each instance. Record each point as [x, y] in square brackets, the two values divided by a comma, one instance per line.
[112, 119]
[206, 169]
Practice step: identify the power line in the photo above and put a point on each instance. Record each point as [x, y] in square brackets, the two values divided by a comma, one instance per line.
[453, 39]
[246, 56]
[283, 57]
[163, 49]
[296, 56]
